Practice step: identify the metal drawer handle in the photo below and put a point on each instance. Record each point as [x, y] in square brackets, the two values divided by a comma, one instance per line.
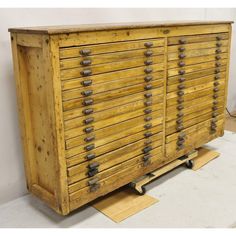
[179, 121]
[148, 78]
[85, 52]
[215, 89]
[218, 50]
[148, 118]
[89, 139]
[93, 165]
[148, 62]
[147, 141]
[182, 41]
[93, 181]
[147, 149]
[217, 70]
[214, 114]
[87, 82]
[148, 134]
[181, 56]
[179, 127]
[180, 100]
[181, 86]
[147, 111]
[147, 95]
[218, 37]
[218, 64]
[86, 72]
[90, 156]
[180, 93]
[215, 96]
[148, 44]
[148, 103]
[215, 102]
[180, 114]
[148, 126]
[181, 72]
[89, 147]
[181, 49]
[86, 62]
[180, 147]
[148, 53]
[180, 142]
[218, 44]
[217, 77]
[93, 172]
[181, 79]
[87, 102]
[181, 63]
[218, 57]
[180, 107]
[87, 93]
[182, 135]
[147, 157]
[148, 70]
[214, 108]
[88, 111]
[88, 129]
[216, 83]
[148, 86]
[89, 120]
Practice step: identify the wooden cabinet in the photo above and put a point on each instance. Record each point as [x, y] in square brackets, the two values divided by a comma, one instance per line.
[101, 105]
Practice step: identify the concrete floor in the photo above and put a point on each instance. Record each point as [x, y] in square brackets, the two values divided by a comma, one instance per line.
[205, 198]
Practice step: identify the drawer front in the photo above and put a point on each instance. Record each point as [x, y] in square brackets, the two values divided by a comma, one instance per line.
[113, 106]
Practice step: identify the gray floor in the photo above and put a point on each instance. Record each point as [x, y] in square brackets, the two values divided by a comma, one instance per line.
[205, 198]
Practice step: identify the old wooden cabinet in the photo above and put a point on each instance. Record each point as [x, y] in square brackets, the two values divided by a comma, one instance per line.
[101, 105]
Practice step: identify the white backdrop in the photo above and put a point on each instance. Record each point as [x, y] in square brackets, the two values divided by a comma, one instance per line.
[12, 183]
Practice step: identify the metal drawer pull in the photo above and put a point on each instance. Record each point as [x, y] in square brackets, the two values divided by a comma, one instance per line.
[217, 70]
[146, 157]
[218, 44]
[148, 78]
[86, 62]
[181, 86]
[180, 107]
[148, 134]
[217, 77]
[93, 172]
[179, 121]
[86, 72]
[181, 63]
[214, 108]
[93, 181]
[148, 70]
[218, 57]
[181, 79]
[218, 50]
[218, 37]
[182, 135]
[218, 64]
[89, 147]
[90, 156]
[89, 139]
[181, 56]
[88, 111]
[147, 111]
[181, 72]
[180, 114]
[148, 126]
[87, 82]
[182, 41]
[148, 44]
[181, 49]
[180, 142]
[89, 120]
[148, 62]
[87, 102]
[216, 83]
[215, 102]
[148, 103]
[88, 129]
[147, 95]
[214, 114]
[180, 100]
[148, 86]
[147, 141]
[93, 165]
[180, 127]
[148, 118]
[148, 53]
[180, 93]
[215, 89]
[179, 147]
[147, 149]
[215, 96]
[87, 93]
[85, 52]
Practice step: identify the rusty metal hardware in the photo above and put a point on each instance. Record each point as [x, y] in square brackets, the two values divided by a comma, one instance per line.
[87, 93]
[90, 156]
[181, 72]
[85, 52]
[87, 102]
[88, 129]
[148, 62]
[181, 63]
[87, 82]
[148, 95]
[148, 111]
[148, 70]
[148, 118]
[148, 103]
[86, 72]
[148, 86]
[148, 134]
[89, 147]
[148, 44]
[148, 126]
[148, 53]
[89, 139]
[148, 78]
[181, 56]
[88, 111]
[86, 62]
[89, 120]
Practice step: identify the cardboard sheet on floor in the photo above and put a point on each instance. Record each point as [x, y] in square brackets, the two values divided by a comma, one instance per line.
[123, 203]
[204, 156]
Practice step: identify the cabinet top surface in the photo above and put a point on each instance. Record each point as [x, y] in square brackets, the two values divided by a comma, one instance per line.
[98, 27]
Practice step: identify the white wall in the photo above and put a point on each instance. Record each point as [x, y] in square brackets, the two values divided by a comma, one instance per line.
[12, 183]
